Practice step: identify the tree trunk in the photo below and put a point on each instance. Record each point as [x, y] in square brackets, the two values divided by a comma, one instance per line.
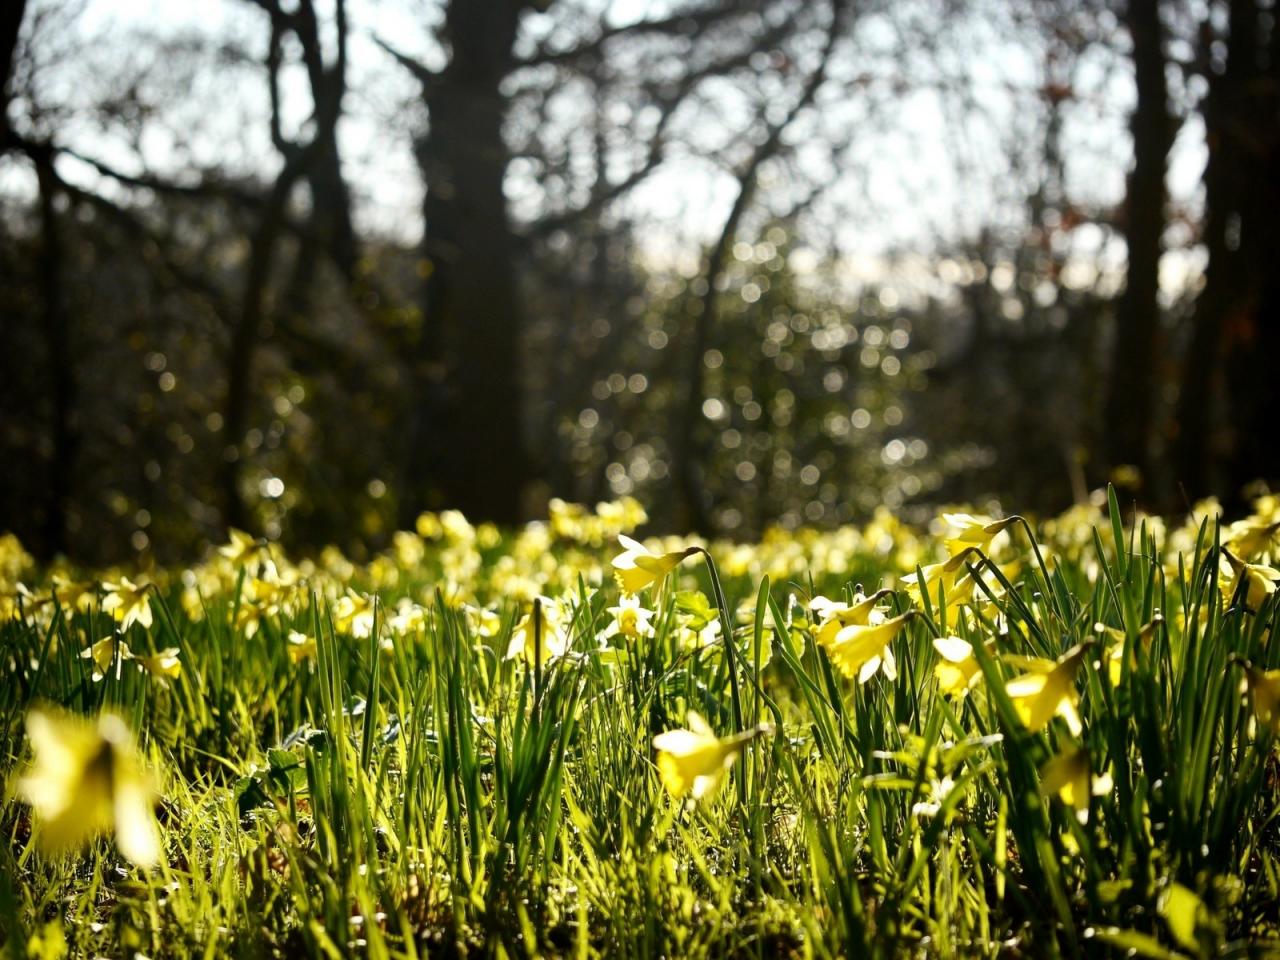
[1196, 452]
[1252, 338]
[1132, 388]
[466, 444]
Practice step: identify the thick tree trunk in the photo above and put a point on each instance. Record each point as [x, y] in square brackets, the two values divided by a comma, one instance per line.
[466, 442]
[1132, 389]
[1197, 450]
[1252, 337]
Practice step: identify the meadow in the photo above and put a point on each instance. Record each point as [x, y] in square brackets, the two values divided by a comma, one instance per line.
[994, 737]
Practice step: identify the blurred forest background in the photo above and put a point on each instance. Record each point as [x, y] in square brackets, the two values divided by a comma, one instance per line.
[309, 267]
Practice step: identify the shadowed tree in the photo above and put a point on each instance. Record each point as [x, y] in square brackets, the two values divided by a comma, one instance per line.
[1129, 414]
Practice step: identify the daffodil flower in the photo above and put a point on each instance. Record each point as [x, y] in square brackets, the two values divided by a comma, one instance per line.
[1069, 775]
[860, 650]
[1049, 690]
[85, 780]
[128, 602]
[958, 671]
[353, 613]
[1264, 686]
[636, 567]
[693, 761]
[1253, 536]
[542, 634]
[1259, 582]
[971, 531]
[104, 653]
[952, 574]
[242, 548]
[834, 615]
[482, 621]
[164, 664]
[73, 595]
[630, 620]
[1115, 652]
[301, 647]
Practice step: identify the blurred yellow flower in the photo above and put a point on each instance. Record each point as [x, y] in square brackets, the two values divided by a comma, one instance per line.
[301, 647]
[1069, 775]
[1049, 691]
[104, 653]
[1264, 685]
[163, 664]
[693, 761]
[85, 779]
[353, 613]
[1258, 582]
[636, 568]
[542, 634]
[128, 602]
[1115, 652]
[958, 671]
[1253, 536]
[242, 547]
[72, 595]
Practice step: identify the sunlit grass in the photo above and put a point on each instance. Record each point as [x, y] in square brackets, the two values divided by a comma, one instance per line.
[994, 738]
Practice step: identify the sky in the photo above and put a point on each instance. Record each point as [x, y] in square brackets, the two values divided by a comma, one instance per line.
[911, 175]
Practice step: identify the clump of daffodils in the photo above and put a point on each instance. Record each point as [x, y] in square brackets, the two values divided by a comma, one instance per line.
[85, 780]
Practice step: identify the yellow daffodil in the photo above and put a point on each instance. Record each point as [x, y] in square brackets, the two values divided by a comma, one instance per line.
[1253, 536]
[483, 621]
[1264, 686]
[1259, 582]
[970, 531]
[73, 596]
[86, 779]
[243, 548]
[630, 620]
[835, 615]
[128, 602]
[547, 621]
[1069, 775]
[409, 618]
[301, 647]
[163, 664]
[353, 613]
[1115, 652]
[958, 670]
[636, 567]
[952, 574]
[693, 761]
[1049, 690]
[860, 650]
[104, 653]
